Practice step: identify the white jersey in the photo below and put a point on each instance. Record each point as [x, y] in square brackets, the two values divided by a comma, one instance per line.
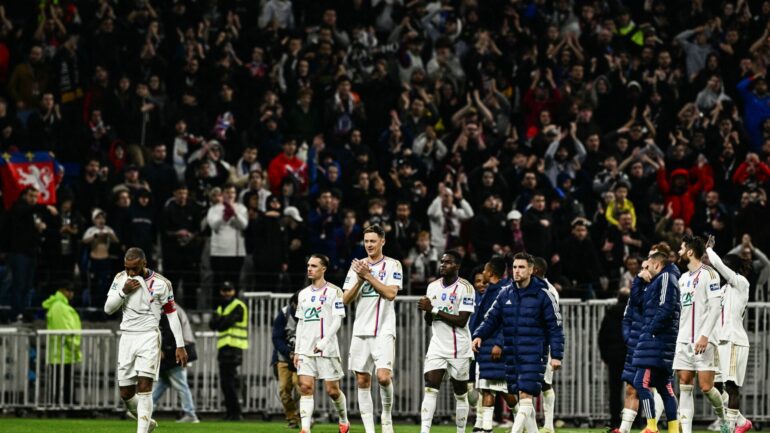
[448, 341]
[552, 289]
[696, 289]
[142, 308]
[735, 296]
[375, 315]
[316, 309]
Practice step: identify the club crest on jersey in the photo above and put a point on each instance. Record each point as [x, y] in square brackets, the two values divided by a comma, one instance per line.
[322, 299]
[452, 298]
[443, 296]
[382, 274]
[312, 299]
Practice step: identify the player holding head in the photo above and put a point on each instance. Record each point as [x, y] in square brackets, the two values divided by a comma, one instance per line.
[374, 282]
[632, 327]
[142, 295]
[448, 304]
[319, 313]
[549, 396]
[490, 363]
[531, 322]
[733, 346]
[657, 340]
[698, 332]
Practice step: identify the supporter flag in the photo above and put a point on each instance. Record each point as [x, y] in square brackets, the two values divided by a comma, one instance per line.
[20, 170]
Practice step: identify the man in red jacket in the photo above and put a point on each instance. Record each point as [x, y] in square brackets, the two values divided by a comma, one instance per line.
[751, 171]
[287, 164]
[680, 192]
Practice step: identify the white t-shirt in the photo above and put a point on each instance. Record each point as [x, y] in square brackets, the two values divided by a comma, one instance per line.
[448, 341]
[142, 308]
[735, 296]
[315, 311]
[375, 315]
[695, 289]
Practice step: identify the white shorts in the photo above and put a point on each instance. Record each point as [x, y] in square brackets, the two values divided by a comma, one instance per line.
[458, 368]
[548, 376]
[733, 361]
[685, 358]
[490, 385]
[371, 352]
[138, 355]
[320, 367]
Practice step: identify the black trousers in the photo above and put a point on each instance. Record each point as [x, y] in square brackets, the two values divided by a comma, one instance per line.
[228, 380]
[617, 394]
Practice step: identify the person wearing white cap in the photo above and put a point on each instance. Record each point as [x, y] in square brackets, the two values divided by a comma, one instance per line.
[98, 237]
[515, 235]
[293, 213]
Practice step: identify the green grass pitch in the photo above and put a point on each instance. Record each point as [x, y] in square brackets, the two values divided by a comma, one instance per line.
[28, 425]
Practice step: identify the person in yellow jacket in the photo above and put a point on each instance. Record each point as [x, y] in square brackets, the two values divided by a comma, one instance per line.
[231, 321]
[620, 204]
[62, 351]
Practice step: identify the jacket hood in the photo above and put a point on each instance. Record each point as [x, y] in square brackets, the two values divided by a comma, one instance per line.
[55, 298]
[680, 172]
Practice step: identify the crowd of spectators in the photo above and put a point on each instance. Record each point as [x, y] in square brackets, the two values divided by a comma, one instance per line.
[231, 138]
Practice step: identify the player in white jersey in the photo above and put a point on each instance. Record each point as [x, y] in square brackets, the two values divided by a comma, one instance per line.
[549, 395]
[733, 346]
[142, 295]
[696, 351]
[448, 304]
[319, 313]
[374, 283]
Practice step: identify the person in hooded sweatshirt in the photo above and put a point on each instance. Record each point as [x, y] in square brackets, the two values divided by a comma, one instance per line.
[142, 233]
[63, 352]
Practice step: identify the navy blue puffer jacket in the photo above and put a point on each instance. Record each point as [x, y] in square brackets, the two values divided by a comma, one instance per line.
[531, 324]
[660, 321]
[632, 326]
[488, 369]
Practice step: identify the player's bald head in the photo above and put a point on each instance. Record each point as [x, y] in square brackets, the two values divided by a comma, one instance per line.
[134, 254]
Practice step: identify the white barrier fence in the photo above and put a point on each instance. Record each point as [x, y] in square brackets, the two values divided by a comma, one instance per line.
[28, 380]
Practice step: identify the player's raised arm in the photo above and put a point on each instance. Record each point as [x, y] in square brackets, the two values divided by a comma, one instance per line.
[353, 284]
[118, 293]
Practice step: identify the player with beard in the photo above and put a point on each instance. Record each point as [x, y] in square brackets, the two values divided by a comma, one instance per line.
[696, 349]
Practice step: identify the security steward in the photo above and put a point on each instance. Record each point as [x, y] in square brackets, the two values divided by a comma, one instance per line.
[231, 323]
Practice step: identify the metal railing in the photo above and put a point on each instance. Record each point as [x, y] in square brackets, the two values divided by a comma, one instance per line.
[31, 380]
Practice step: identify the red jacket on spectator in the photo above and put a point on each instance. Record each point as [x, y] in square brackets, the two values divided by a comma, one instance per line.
[743, 173]
[533, 107]
[283, 165]
[683, 201]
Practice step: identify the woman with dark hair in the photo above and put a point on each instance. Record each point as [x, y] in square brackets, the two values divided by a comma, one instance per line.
[733, 340]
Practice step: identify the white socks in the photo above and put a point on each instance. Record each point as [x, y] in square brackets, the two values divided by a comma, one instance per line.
[487, 414]
[549, 400]
[715, 397]
[741, 419]
[461, 411]
[686, 407]
[366, 407]
[428, 409]
[306, 405]
[659, 409]
[732, 418]
[479, 412]
[341, 404]
[386, 396]
[131, 405]
[627, 418]
[143, 411]
[525, 413]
